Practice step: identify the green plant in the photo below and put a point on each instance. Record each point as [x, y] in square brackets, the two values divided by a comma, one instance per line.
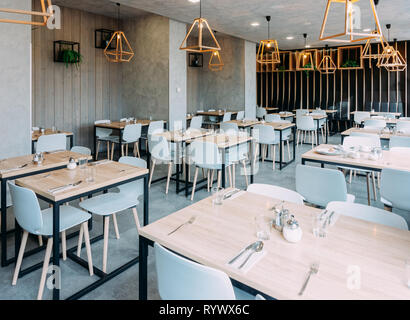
[350, 64]
[307, 66]
[71, 57]
[282, 68]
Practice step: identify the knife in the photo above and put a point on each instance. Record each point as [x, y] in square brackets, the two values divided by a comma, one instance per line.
[241, 253]
[231, 193]
[54, 190]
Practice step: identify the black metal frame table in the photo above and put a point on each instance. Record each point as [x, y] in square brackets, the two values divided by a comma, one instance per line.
[104, 277]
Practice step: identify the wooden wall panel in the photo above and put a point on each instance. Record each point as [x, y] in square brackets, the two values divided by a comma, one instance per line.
[70, 98]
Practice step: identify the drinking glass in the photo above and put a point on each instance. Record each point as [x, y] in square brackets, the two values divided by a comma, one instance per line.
[262, 225]
[53, 128]
[217, 194]
[319, 224]
[407, 270]
[90, 174]
[82, 163]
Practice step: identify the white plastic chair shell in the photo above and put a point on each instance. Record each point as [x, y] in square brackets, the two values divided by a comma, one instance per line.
[51, 142]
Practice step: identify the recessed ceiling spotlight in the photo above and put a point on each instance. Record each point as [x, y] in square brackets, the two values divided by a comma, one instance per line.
[290, 38]
[367, 30]
[307, 46]
[194, 1]
[255, 24]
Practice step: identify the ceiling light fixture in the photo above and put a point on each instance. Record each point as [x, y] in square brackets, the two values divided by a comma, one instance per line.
[268, 51]
[290, 38]
[367, 50]
[304, 59]
[351, 23]
[391, 59]
[194, 1]
[195, 42]
[122, 51]
[45, 13]
[327, 65]
[215, 62]
[255, 24]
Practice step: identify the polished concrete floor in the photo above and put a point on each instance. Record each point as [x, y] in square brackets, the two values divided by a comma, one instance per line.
[125, 286]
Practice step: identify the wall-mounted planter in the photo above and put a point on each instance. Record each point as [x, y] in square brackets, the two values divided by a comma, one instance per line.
[306, 60]
[102, 38]
[196, 60]
[67, 52]
[350, 58]
[286, 62]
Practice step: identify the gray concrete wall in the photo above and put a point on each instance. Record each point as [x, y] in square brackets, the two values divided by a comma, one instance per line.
[145, 80]
[250, 79]
[177, 75]
[15, 83]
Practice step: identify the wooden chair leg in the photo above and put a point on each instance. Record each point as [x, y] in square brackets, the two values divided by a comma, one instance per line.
[374, 186]
[45, 268]
[388, 208]
[137, 220]
[212, 179]
[230, 176]
[234, 175]
[64, 245]
[137, 145]
[114, 221]
[194, 185]
[126, 149]
[245, 172]
[88, 248]
[122, 150]
[273, 147]
[80, 241]
[219, 178]
[283, 150]
[208, 179]
[151, 172]
[105, 249]
[169, 177]
[350, 176]
[108, 150]
[112, 151]
[20, 257]
[98, 150]
[368, 188]
[312, 134]
[287, 142]
[297, 137]
[40, 241]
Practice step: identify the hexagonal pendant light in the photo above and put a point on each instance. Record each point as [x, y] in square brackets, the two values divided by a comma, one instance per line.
[197, 34]
[349, 34]
[46, 15]
[122, 51]
[327, 65]
[268, 51]
[391, 58]
[304, 59]
[215, 62]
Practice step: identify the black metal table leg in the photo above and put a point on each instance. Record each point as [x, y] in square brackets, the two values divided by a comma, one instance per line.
[317, 132]
[223, 168]
[186, 179]
[178, 166]
[327, 131]
[95, 142]
[280, 150]
[120, 144]
[252, 162]
[56, 250]
[294, 143]
[3, 222]
[143, 268]
[71, 141]
[32, 146]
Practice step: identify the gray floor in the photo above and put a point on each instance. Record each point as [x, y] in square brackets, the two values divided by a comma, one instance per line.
[125, 286]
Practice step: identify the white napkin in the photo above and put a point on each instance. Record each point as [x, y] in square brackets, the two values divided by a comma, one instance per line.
[256, 257]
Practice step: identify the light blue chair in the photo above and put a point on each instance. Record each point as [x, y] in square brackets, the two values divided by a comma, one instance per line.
[360, 116]
[240, 115]
[305, 124]
[367, 213]
[103, 135]
[320, 186]
[260, 113]
[196, 123]
[286, 134]
[301, 112]
[39, 222]
[181, 279]
[227, 117]
[272, 118]
[399, 142]
[131, 135]
[276, 192]
[81, 150]
[403, 126]
[394, 189]
[376, 124]
[51, 142]
[322, 122]
[265, 135]
[229, 128]
[111, 203]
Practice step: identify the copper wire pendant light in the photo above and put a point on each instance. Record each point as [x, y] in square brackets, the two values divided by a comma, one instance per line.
[122, 51]
[391, 58]
[196, 36]
[349, 34]
[268, 51]
[44, 13]
[304, 59]
[367, 49]
[327, 65]
[215, 62]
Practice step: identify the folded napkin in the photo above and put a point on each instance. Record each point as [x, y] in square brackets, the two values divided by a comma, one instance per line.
[256, 257]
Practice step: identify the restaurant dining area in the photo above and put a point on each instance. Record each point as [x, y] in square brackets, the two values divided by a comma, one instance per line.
[204, 150]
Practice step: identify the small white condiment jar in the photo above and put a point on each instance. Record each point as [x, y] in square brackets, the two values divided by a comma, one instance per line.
[292, 231]
[71, 164]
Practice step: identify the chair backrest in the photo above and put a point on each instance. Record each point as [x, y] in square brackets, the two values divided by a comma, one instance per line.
[319, 185]
[156, 126]
[357, 141]
[102, 132]
[159, 147]
[196, 122]
[132, 132]
[26, 208]
[401, 118]
[264, 134]
[82, 150]
[403, 126]
[227, 116]
[375, 123]
[272, 117]
[360, 116]
[51, 142]
[135, 188]
[205, 154]
[276, 192]
[367, 213]
[301, 112]
[395, 186]
[305, 122]
[181, 279]
[260, 112]
[398, 141]
[363, 134]
[229, 127]
[240, 115]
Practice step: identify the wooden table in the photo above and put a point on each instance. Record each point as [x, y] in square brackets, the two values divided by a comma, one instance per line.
[244, 124]
[37, 134]
[219, 114]
[107, 176]
[383, 135]
[51, 162]
[271, 109]
[220, 232]
[285, 116]
[378, 113]
[328, 111]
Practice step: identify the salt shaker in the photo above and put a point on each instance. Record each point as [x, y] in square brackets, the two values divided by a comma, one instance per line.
[292, 231]
[71, 164]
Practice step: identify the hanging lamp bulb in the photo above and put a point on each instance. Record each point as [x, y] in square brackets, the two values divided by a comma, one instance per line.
[268, 52]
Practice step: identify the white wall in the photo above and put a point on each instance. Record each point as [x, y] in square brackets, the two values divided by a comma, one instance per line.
[250, 79]
[15, 80]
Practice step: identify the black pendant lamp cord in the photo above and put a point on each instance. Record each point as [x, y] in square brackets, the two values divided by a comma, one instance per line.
[118, 16]
[268, 19]
[200, 9]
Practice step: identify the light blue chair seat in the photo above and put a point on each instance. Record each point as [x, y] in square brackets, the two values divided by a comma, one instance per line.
[394, 188]
[82, 150]
[109, 203]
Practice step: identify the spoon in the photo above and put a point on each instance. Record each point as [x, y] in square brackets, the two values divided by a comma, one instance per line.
[258, 246]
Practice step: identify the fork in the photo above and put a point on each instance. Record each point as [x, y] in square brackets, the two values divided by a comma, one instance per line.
[190, 221]
[314, 268]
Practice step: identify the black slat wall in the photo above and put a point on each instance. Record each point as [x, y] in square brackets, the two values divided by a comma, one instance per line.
[348, 90]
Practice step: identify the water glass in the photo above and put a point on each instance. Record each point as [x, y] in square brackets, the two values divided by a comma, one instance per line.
[90, 174]
[82, 163]
[217, 194]
[262, 225]
[53, 128]
[319, 224]
[407, 270]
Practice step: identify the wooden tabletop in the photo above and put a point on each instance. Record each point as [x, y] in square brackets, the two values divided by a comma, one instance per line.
[37, 134]
[220, 232]
[397, 114]
[106, 174]
[383, 135]
[313, 110]
[121, 125]
[285, 115]
[53, 160]
[388, 120]
[224, 141]
[217, 113]
[176, 136]
[250, 123]
[244, 124]
[271, 108]
[390, 159]
[279, 126]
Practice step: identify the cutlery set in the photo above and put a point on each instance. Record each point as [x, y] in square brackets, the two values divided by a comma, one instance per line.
[62, 188]
[254, 248]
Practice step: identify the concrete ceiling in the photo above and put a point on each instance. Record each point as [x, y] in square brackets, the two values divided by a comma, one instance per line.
[289, 17]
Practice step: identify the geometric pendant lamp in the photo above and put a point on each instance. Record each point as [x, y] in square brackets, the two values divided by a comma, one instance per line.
[268, 52]
[391, 58]
[200, 37]
[215, 62]
[122, 51]
[352, 21]
[367, 49]
[304, 59]
[46, 15]
[327, 65]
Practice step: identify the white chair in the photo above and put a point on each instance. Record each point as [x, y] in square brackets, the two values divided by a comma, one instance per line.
[394, 189]
[154, 127]
[286, 134]
[305, 125]
[272, 117]
[403, 127]
[131, 135]
[51, 142]
[399, 142]
[212, 118]
[260, 112]
[322, 122]
[240, 115]
[276, 192]
[265, 135]
[82, 150]
[236, 155]
[196, 123]
[227, 117]
[401, 118]
[320, 186]
[301, 112]
[377, 124]
[360, 116]
[367, 213]
[103, 135]
[111, 203]
[181, 279]
[40, 222]
[229, 128]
